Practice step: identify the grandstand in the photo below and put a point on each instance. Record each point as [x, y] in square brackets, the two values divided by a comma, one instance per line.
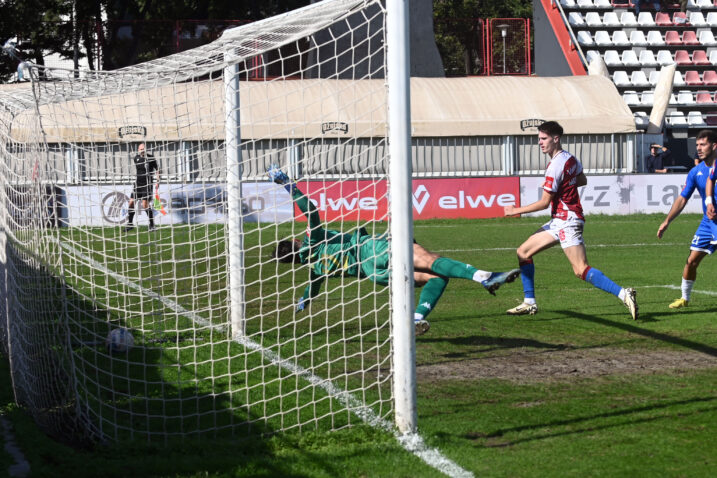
[634, 48]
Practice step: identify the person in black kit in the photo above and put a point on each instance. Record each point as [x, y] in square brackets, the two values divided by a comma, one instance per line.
[655, 161]
[146, 165]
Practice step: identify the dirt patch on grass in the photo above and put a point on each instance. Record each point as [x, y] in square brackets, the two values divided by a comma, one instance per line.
[532, 366]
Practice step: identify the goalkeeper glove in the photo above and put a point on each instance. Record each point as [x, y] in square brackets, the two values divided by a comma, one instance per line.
[302, 304]
[277, 175]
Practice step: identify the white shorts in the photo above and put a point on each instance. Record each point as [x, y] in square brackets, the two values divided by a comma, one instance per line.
[569, 232]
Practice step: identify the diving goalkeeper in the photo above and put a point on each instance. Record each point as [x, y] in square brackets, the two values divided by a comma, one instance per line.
[359, 254]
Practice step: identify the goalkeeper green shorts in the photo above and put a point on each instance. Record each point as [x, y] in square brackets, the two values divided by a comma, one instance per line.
[374, 259]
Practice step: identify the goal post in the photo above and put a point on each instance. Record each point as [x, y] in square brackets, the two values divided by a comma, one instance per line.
[220, 333]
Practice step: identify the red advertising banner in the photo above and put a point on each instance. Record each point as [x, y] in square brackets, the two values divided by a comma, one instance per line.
[467, 198]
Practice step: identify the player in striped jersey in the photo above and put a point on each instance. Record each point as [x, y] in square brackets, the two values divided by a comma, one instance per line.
[563, 176]
[331, 253]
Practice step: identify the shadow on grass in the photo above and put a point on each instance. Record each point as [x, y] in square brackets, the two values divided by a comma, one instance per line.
[634, 329]
[497, 343]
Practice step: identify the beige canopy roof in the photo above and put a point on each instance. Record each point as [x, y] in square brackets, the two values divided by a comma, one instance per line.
[478, 106]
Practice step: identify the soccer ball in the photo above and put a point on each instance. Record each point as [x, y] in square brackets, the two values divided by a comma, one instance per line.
[119, 340]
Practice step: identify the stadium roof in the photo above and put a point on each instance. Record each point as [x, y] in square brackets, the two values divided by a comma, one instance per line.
[455, 107]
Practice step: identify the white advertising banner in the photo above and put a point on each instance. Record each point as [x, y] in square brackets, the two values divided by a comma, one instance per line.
[184, 204]
[620, 194]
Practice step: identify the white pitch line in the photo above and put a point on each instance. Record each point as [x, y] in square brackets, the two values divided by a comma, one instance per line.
[411, 442]
[676, 287]
[588, 246]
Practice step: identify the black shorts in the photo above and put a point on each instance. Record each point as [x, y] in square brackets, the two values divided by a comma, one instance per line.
[142, 191]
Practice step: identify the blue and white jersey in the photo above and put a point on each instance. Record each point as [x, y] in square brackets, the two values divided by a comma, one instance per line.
[697, 178]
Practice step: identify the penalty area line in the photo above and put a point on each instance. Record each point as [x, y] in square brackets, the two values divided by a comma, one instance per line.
[411, 442]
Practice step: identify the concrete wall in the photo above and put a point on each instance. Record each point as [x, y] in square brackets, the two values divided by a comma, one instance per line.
[549, 59]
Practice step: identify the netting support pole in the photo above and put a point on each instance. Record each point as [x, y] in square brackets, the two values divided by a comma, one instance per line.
[401, 210]
[235, 221]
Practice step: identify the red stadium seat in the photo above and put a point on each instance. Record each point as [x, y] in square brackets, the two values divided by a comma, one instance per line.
[680, 18]
[704, 98]
[672, 38]
[690, 38]
[710, 77]
[699, 57]
[663, 19]
[682, 57]
[692, 78]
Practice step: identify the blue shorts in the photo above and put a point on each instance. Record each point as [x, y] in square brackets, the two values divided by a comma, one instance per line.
[705, 239]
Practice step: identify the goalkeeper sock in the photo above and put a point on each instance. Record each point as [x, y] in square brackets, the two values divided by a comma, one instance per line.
[431, 292]
[601, 281]
[527, 275]
[130, 216]
[150, 214]
[687, 288]
[446, 267]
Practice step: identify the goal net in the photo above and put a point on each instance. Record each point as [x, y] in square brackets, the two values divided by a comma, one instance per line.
[183, 322]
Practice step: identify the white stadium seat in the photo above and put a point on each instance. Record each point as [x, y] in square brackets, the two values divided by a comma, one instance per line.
[629, 58]
[620, 78]
[677, 119]
[706, 38]
[638, 78]
[654, 76]
[584, 38]
[712, 19]
[647, 98]
[637, 38]
[575, 19]
[704, 3]
[592, 19]
[641, 119]
[612, 58]
[713, 57]
[697, 19]
[585, 3]
[602, 3]
[631, 98]
[685, 98]
[619, 38]
[647, 58]
[567, 3]
[654, 38]
[664, 57]
[610, 19]
[694, 119]
[678, 79]
[602, 38]
[644, 19]
[628, 19]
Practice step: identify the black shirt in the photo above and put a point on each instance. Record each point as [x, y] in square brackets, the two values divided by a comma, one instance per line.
[146, 166]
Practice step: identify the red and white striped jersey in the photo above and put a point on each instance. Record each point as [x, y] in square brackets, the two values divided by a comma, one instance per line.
[561, 180]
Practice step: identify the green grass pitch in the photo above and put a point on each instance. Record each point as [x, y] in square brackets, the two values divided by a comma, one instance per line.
[577, 390]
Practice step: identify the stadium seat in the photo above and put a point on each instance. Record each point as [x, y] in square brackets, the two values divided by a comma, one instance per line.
[610, 19]
[602, 38]
[631, 98]
[638, 78]
[647, 98]
[654, 38]
[672, 37]
[567, 3]
[663, 19]
[629, 58]
[677, 119]
[641, 119]
[592, 19]
[703, 98]
[585, 4]
[612, 58]
[620, 78]
[706, 38]
[712, 19]
[644, 19]
[699, 57]
[713, 57]
[664, 57]
[692, 77]
[704, 3]
[584, 38]
[637, 38]
[591, 55]
[575, 19]
[654, 76]
[602, 4]
[710, 77]
[619, 38]
[678, 79]
[628, 19]
[682, 58]
[697, 19]
[711, 118]
[680, 18]
[690, 38]
[685, 98]
[695, 120]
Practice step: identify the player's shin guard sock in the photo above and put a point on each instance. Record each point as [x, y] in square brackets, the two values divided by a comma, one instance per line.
[431, 292]
[527, 275]
[601, 281]
[450, 268]
[130, 216]
[150, 214]
[687, 288]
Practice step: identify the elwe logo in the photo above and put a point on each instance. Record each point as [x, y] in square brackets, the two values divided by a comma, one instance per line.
[464, 197]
